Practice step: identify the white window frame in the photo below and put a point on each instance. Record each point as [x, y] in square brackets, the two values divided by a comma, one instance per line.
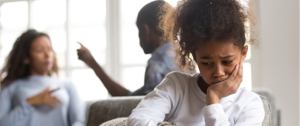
[112, 28]
[113, 65]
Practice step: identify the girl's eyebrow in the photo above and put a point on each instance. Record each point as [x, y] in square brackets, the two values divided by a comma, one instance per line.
[205, 57]
[223, 57]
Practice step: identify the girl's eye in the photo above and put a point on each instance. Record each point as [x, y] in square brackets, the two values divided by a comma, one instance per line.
[206, 64]
[228, 62]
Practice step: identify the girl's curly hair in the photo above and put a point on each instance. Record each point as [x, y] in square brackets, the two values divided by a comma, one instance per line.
[195, 22]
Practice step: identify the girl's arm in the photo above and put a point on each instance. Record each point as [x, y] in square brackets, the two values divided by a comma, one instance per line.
[12, 116]
[156, 105]
[252, 115]
[77, 109]
[214, 114]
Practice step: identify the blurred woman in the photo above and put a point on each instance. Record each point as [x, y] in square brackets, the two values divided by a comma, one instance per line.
[30, 96]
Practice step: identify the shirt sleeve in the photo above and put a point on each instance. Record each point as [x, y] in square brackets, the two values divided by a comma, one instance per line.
[77, 110]
[153, 76]
[9, 115]
[252, 115]
[153, 109]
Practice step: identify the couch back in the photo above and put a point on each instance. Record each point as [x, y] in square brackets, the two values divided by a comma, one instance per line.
[104, 110]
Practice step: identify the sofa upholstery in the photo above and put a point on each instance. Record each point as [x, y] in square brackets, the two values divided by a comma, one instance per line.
[275, 114]
[116, 107]
[104, 110]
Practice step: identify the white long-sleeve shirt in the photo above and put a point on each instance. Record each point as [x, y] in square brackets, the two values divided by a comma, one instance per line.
[179, 99]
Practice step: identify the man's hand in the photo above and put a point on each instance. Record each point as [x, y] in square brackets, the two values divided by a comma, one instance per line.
[85, 55]
[227, 87]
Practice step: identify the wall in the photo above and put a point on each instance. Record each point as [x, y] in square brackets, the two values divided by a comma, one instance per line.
[276, 61]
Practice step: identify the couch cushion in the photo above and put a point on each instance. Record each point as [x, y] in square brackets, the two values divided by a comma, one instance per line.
[123, 122]
[116, 122]
[269, 96]
[268, 109]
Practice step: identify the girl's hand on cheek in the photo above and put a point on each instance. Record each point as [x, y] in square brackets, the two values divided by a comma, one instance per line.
[222, 89]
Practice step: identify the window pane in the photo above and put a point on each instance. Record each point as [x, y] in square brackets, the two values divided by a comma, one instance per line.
[61, 59]
[48, 13]
[7, 40]
[88, 85]
[131, 51]
[14, 15]
[172, 2]
[94, 38]
[62, 74]
[249, 53]
[131, 82]
[59, 44]
[87, 12]
[247, 77]
[128, 12]
[58, 39]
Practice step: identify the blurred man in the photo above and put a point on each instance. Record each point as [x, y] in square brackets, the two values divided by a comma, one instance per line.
[151, 41]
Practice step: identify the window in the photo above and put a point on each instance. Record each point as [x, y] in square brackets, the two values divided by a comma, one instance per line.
[87, 20]
[71, 21]
[247, 73]
[133, 59]
[11, 26]
[94, 23]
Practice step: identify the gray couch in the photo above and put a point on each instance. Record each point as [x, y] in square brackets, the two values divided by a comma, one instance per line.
[104, 110]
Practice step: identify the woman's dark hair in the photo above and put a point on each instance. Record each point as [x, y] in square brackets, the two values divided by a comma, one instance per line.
[195, 22]
[15, 67]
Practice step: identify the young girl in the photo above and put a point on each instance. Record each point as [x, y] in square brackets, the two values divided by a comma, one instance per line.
[212, 33]
[30, 96]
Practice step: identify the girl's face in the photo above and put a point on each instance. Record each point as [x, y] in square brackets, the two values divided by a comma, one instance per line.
[41, 56]
[217, 59]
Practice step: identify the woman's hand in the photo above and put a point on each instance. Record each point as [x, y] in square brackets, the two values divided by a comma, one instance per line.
[227, 87]
[44, 98]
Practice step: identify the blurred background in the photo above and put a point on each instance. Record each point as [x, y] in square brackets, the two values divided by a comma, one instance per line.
[107, 28]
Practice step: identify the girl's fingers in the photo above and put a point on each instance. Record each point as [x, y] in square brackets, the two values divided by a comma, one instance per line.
[238, 83]
[238, 79]
[234, 73]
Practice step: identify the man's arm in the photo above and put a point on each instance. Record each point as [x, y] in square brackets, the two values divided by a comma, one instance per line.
[154, 74]
[113, 87]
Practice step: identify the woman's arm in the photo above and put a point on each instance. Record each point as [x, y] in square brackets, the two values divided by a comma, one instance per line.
[12, 116]
[154, 107]
[77, 110]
